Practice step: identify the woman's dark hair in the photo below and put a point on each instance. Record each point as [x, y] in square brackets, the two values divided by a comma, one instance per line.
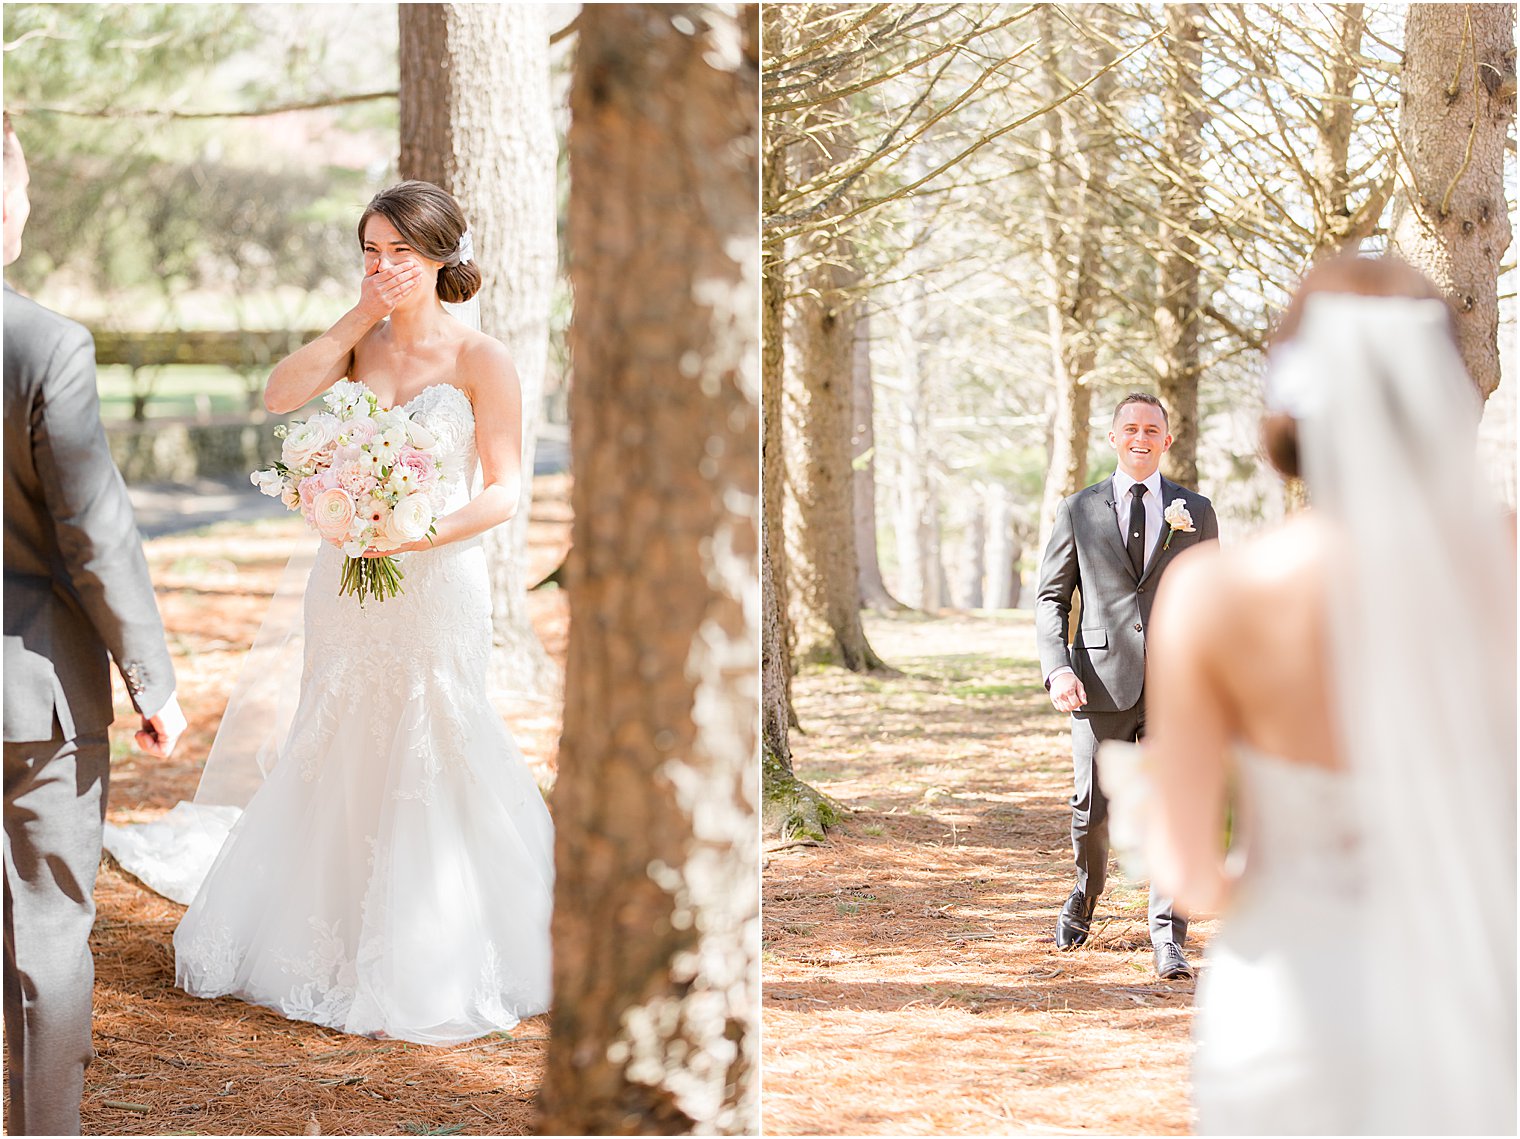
[431, 222]
[1346, 273]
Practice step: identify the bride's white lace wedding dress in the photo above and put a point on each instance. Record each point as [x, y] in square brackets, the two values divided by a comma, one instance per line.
[393, 874]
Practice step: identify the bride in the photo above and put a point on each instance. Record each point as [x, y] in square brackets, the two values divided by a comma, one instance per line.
[392, 875]
[1347, 680]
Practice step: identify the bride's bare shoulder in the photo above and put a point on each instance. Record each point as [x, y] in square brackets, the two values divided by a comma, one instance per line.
[484, 362]
[1260, 570]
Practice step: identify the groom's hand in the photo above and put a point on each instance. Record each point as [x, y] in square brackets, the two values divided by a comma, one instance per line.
[1066, 691]
[159, 733]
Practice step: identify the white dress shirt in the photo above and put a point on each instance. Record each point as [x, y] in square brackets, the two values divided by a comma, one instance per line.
[1153, 509]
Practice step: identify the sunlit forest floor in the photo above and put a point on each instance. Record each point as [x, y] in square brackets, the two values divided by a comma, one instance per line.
[912, 983]
[172, 1064]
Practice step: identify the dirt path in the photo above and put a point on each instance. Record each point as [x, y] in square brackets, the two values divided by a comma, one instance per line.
[912, 984]
[172, 1064]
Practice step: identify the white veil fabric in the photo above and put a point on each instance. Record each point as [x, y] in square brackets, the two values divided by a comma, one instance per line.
[173, 854]
[1423, 668]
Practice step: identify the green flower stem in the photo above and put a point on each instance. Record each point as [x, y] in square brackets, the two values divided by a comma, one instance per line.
[379, 578]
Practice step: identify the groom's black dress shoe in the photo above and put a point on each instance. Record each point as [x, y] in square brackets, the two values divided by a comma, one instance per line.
[1171, 965]
[1075, 921]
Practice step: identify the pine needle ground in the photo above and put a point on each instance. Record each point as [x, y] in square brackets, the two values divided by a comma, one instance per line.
[912, 984]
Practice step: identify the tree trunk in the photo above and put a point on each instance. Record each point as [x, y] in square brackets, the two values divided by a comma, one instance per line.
[1338, 227]
[917, 509]
[819, 383]
[476, 120]
[1456, 107]
[1177, 315]
[1002, 549]
[1072, 261]
[656, 915]
[973, 565]
[772, 378]
[791, 809]
[873, 590]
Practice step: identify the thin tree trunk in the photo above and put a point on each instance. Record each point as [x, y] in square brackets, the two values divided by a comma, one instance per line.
[873, 590]
[1002, 571]
[656, 916]
[916, 507]
[1456, 107]
[1339, 227]
[1177, 315]
[1072, 261]
[973, 562]
[772, 373]
[476, 120]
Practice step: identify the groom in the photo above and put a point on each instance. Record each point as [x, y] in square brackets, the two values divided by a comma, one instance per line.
[76, 593]
[1110, 544]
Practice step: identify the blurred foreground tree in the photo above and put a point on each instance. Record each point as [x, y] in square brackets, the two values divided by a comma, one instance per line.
[656, 918]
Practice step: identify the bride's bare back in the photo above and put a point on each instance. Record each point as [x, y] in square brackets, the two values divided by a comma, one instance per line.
[1254, 620]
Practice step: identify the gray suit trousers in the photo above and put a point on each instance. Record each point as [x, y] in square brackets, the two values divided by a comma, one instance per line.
[55, 806]
[1089, 813]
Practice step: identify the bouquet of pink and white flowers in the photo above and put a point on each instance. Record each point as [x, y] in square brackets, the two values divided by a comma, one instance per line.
[361, 476]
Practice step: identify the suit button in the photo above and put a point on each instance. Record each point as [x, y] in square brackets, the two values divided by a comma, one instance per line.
[1138, 629]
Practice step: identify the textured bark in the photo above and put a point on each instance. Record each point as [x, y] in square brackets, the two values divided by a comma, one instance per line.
[476, 120]
[1456, 106]
[873, 590]
[772, 378]
[1072, 184]
[823, 585]
[656, 918]
[791, 809]
[1177, 315]
[1340, 227]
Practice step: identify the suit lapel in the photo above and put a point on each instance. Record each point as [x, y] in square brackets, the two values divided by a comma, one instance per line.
[1169, 491]
[1101, 514]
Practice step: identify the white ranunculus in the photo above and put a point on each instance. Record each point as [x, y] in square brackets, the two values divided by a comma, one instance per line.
[306, 439]
[410, 519]
[355, 547]
[1177, 516]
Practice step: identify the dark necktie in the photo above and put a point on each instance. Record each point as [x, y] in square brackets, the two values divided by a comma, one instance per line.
[1135, 535]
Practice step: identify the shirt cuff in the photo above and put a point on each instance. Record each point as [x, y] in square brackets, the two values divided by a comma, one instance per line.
[1057, 671]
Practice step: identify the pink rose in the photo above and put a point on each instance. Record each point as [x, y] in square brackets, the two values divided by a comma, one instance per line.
[310, 487]
[420, 463]
[333, 512]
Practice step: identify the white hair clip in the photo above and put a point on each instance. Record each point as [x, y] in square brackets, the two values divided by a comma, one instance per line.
[465, 252]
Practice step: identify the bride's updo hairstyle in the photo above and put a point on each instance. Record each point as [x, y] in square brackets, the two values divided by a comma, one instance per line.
[431, 222]
[1346, 273]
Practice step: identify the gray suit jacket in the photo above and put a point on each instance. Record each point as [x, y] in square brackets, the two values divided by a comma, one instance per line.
[76, 581]
[1086, 555]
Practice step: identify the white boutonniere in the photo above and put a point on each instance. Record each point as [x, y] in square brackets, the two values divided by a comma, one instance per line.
[1178, 518]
